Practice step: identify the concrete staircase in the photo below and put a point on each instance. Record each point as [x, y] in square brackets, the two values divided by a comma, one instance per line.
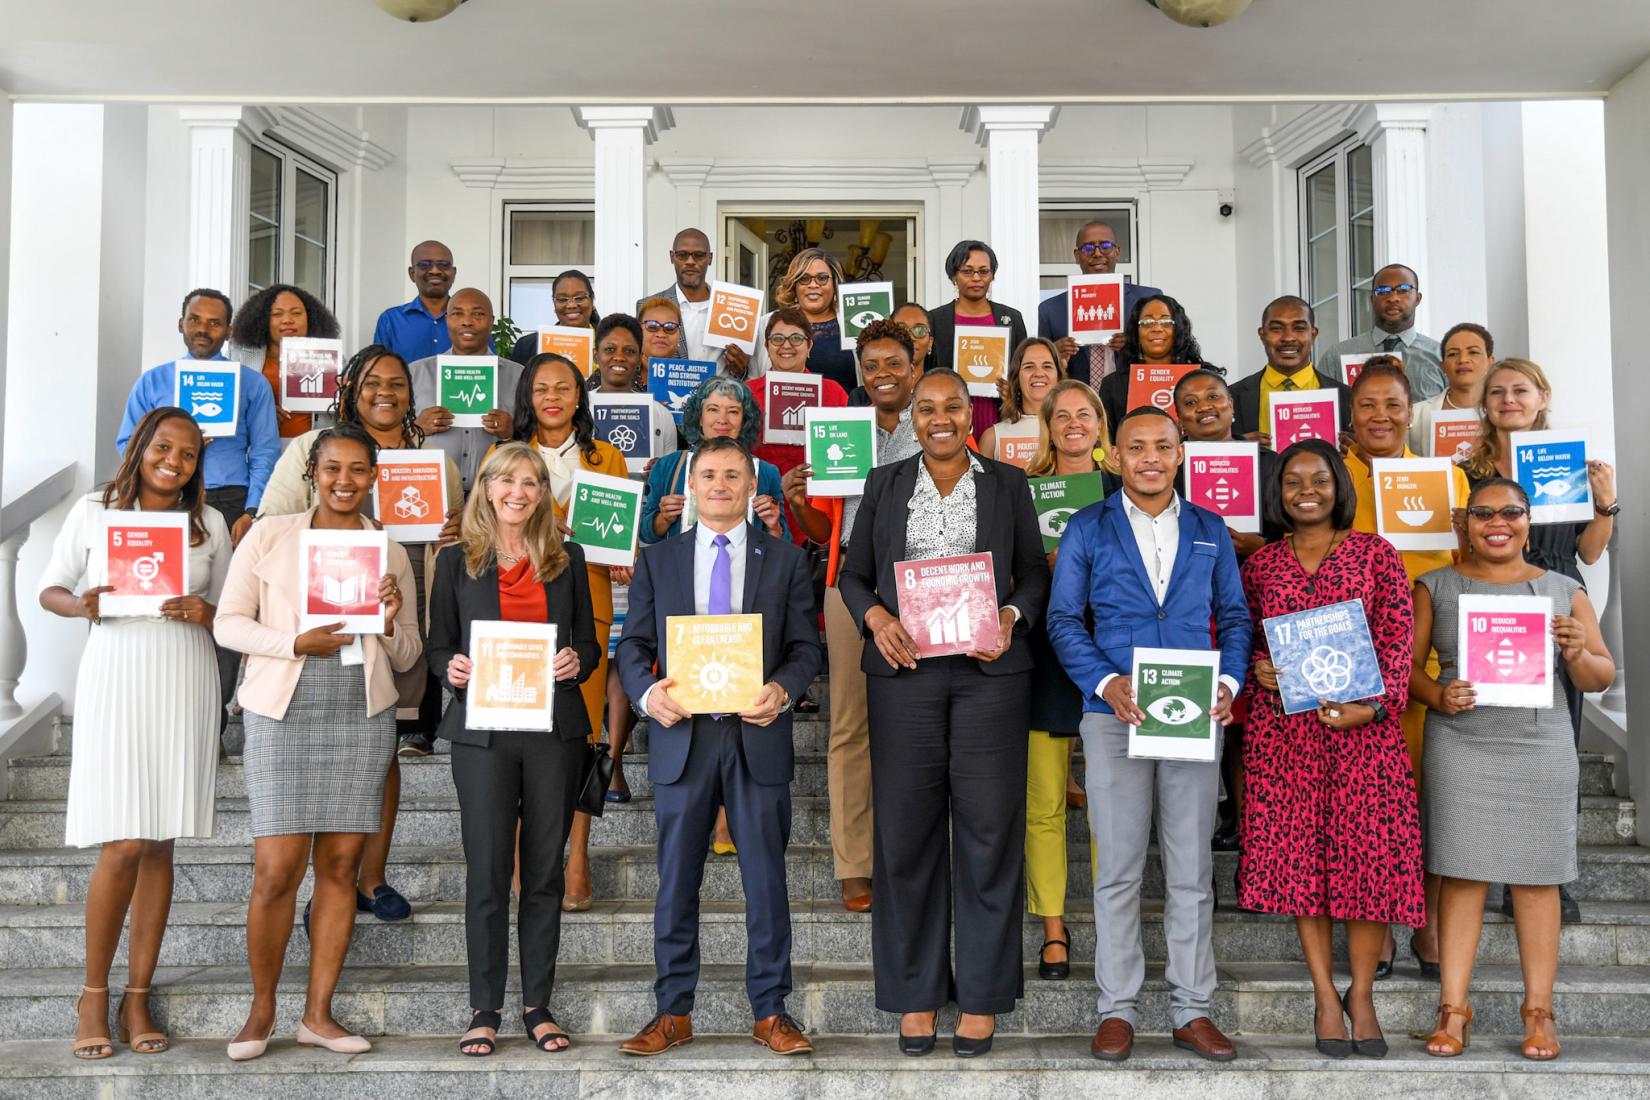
[405, 983]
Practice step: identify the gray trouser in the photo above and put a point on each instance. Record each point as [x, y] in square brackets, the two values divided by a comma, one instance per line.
[1120, 794]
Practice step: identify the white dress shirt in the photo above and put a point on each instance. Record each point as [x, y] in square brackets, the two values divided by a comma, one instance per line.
[1158, 540]
[704, 558]
[695, 319]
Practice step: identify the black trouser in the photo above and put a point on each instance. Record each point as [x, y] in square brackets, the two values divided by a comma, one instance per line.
[948, 765]
[531, 778]
[230, 501]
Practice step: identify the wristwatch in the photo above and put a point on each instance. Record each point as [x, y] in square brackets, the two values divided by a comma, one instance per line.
[785, 705]
[1610, 511]
[1381, 713]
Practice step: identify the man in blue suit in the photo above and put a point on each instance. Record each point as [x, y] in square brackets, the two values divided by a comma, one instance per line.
[722, 566]
[1148, 569]
[1097, 253]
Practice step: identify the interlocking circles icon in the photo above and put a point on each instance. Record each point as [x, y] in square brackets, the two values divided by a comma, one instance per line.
[1327, 670]
[624, 438]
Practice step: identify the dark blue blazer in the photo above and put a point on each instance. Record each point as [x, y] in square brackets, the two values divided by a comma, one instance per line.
[1100, 568]
[779, 587]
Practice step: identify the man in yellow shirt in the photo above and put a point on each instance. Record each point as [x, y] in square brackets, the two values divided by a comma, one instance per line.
[1288, 330]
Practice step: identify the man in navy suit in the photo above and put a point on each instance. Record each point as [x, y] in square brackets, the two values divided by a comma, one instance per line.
[1097, 253]
[1148, 569]
[722, 566]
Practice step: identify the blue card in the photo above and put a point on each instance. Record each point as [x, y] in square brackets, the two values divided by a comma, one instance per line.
[671, 381]
[209, 391]
[1324, 653]
[1552, 468]
[625, 421]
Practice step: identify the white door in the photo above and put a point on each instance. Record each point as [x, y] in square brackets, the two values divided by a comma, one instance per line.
[744, 255]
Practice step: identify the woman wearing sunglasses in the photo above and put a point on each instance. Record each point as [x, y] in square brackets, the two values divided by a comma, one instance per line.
[661, 321]
[1500, 797]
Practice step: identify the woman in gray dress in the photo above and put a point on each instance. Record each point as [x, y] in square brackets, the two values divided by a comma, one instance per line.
[1499, 801]
[320, 735]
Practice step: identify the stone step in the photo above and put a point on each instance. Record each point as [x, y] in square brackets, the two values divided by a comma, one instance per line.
[621, 932]
[55, 876]
[734, 1068]
[434, 819]
[1253, 998]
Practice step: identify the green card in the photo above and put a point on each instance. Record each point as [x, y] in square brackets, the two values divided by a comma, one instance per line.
[468, 387]
[842, 449]
[859, 304]
[1175, 689]
[604, 514]
[1057, 499]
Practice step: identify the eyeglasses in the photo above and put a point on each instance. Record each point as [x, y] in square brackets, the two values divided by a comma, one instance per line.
[434, 265]
[1155, 322]
[669, 328]
[784, 339]
[974, 272]
[690, 257]
[1510, 511]
[1105, 248]
[572, 299]
[1401, 288]
[820, 278]
[920, 331]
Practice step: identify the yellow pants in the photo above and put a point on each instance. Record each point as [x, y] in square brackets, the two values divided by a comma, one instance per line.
[1048, 766]
[1415, 724]
[594, 690]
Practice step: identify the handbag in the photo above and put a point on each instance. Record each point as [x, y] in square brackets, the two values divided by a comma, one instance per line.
[595, 774]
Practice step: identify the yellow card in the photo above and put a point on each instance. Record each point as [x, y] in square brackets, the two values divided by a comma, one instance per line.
[716, 661]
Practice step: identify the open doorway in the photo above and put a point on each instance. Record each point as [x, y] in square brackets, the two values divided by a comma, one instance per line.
[872, 245]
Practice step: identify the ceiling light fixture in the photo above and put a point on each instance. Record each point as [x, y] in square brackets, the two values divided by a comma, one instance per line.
[419, 11]
[1196, 13]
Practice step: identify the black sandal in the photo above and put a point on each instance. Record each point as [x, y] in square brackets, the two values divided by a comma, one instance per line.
[479, 1020]
[538, 1016]
[1054, 972]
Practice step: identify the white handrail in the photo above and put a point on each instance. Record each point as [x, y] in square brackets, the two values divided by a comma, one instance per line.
[16, 516]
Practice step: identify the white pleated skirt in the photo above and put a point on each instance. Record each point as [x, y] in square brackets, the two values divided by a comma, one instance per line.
[145, 756]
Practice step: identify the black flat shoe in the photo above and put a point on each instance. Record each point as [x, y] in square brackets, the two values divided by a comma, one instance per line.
[1054, 971]
[1429, 970]
[964, 1047]
[1364, 1048]
[916, 1045]
[307, 904]
[1569, 912]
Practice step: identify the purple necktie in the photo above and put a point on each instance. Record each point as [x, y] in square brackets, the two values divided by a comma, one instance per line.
[721, 579]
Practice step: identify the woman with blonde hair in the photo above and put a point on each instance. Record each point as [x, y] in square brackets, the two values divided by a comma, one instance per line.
[1033, 370]
[512, 565]
[810, 284]
[1074, 430]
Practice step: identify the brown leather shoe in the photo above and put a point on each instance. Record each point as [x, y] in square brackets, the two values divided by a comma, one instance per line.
[1114, 1042]
[1204, 1039]
[782, 1035]
[662, 1032]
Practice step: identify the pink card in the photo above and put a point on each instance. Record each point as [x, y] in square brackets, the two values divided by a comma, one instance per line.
[1506, 651]
[948, 605]
[1303, 414]
[1225, 479]
[339, 575]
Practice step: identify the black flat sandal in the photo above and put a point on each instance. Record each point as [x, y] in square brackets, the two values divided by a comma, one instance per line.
[1058, 971]
[538, 1016]
[479, 1020]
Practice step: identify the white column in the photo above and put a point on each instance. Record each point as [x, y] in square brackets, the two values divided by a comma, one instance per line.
[5, 259]
[1396, 134]
[951, 175]
[220, 167]
[621, 135]
[688, 178]
[1010, 135]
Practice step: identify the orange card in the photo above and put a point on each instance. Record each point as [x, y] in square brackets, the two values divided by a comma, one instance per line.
[576, 344]
[734, 313]
[716, 661]
[1413, 499]
[1154, 386]
[981, 357]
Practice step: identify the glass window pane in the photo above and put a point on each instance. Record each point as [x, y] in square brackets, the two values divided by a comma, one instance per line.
[266, 185]
[263, 261]
[309, 267]
[1057, 233]
[563, 238]
[1360, 181]
[529, 303]
[309, 208]
[1320, 201]
[1321, 269]
[1329, 327]
[264, 228]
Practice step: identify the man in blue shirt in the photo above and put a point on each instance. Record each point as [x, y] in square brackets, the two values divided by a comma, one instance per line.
[237, 467]
[418, 329]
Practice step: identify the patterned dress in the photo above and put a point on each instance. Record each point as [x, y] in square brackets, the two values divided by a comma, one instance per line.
[1330, 824]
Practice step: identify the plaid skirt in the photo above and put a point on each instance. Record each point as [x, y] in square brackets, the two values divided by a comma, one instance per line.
[321, 768]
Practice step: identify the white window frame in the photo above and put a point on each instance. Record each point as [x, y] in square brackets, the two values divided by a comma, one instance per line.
[728, 212]
[1070, 267]
[286, 231]
[1347, 282]
[512, 271]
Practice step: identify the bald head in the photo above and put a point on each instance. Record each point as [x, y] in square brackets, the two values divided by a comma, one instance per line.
[432, 271]
[470, 321]
[690, 256]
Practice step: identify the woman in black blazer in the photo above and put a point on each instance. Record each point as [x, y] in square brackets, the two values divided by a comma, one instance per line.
[948, 734]
[971, 267]
[511, 565]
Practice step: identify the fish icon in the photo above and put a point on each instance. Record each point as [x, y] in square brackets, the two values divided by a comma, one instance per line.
[1556, 488]
[207, 409]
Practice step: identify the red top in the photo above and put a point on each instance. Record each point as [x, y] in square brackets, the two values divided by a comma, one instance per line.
[520, 596]
[787, 456]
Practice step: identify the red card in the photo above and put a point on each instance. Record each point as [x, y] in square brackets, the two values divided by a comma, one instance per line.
[948, 605]
[1094, 307]
[1149, 385]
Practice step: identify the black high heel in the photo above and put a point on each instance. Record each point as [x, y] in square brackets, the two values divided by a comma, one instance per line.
[964, 1047]
[1054, 971]
[1429, 970]
[531, 1020]
[1364, 1048]
[1332, 1048]
[1383, 969]
[917, 1045]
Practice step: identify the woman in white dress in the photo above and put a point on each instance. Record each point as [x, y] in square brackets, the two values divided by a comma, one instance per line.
[146, 721]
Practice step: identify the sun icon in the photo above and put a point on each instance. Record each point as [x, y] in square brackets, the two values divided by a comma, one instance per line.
[715, 677]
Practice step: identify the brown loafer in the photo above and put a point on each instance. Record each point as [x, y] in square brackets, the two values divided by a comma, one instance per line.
[662, 1032]
[1204, 1039]
[1114, 1042]
[782, 1035]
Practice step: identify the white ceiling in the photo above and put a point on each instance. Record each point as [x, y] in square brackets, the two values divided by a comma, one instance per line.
[672, 52]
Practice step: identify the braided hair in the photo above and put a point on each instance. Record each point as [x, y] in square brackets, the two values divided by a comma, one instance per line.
[347, 433]
[346, 406]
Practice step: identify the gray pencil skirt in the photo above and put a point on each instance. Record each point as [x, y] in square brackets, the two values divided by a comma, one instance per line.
[321, 768]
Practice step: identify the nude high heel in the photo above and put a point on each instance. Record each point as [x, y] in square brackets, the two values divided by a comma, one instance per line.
[93, 1048]
[145, 1042]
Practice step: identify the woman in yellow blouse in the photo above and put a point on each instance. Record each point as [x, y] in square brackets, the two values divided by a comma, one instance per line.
[1380, 427]
[552, 412]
